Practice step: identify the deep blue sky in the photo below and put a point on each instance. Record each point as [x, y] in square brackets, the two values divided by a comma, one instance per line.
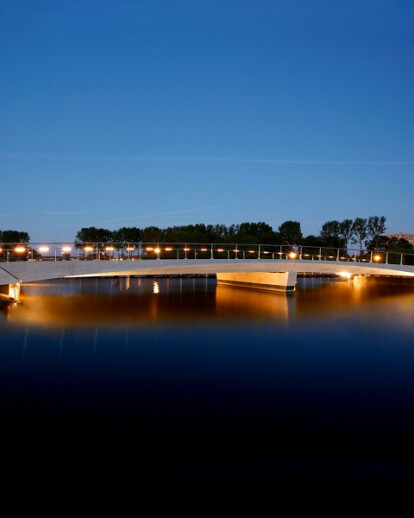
[163, 112]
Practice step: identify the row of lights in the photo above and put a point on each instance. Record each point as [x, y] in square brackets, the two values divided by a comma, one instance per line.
[157, 250]
[65, 249]
[42, 249]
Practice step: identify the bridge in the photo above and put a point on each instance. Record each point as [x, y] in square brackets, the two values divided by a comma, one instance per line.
[270, 267]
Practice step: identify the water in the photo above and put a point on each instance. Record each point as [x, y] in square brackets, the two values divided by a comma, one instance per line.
[167, 378]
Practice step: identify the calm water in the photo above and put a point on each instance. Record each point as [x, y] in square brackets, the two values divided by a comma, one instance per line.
[180, 377]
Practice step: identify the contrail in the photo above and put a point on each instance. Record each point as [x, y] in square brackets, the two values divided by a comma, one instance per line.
[64, 213]
[159, 214]
[149, 158]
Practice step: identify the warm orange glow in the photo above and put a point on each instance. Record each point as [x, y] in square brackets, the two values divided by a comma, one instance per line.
[88, 248]
[204, 249]
[149, 249]
[220, 250]
[252, 251]
[44, 249]
[1, 249]
[20, 249]
[266, 252]
[109, 248]
[168, 249]
[236, 250]
[292, 255]
[157, 250]
[377, 257]
[186, 249]
[66, 249]
[346, 275]
[131, 249]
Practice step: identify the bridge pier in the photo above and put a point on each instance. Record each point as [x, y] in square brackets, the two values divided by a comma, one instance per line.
[269, 281]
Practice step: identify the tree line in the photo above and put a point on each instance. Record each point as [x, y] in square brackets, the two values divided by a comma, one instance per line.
[247, 232]
[366, 233]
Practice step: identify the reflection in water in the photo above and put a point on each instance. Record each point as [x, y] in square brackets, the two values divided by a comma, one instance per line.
[118, 302]
[145, 302]
[148, 370]
[254, 304]
[319, 299]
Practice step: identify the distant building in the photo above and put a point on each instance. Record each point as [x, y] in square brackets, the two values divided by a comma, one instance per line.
[408, 237]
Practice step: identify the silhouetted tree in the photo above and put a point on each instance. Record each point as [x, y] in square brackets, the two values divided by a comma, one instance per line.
[152, 235]
[330, 233]
[94, 235]
[375, 228]
[346, 231]
[290, 232]
[14, 236]
[127, 235]
[360, 232]
[312, 241]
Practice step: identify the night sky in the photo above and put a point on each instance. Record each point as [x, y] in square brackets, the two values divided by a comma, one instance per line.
[166, 112]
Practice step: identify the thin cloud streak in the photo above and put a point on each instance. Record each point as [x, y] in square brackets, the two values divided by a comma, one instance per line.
[142, 158]
[65, 213]
[160, 214]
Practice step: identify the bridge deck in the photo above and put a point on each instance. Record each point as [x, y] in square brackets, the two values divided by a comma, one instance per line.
[28, 271]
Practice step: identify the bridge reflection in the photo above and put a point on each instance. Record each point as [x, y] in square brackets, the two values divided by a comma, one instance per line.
[138, 302]
[129, 303]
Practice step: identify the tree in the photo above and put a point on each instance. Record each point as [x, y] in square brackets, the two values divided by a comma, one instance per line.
[94, 235]
[152, 235]
[330, 233]
[260, 232]
[360, 232]
[375, 228]
[14, 236]
[312, 241]
[290, 232]
[394, 244]
[127, 235]
[346, 231]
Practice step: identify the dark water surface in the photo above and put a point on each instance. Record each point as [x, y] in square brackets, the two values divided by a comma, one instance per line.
[172, 379]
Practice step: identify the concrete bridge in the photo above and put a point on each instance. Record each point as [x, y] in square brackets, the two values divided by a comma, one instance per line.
[270, 269]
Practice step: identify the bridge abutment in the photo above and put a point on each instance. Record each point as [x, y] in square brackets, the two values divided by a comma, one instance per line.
[9, 286]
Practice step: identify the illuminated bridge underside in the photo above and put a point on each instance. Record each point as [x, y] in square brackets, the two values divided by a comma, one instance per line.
[29, 271]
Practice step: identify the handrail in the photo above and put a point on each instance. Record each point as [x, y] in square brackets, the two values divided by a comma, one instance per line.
[179, 250]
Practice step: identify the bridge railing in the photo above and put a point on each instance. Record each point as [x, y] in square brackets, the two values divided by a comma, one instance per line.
[146, 250]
